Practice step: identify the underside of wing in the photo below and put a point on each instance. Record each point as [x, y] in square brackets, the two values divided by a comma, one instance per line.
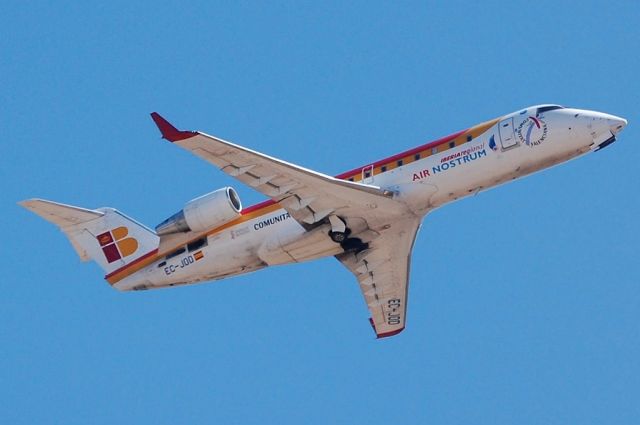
[382, 272]
[310, 197]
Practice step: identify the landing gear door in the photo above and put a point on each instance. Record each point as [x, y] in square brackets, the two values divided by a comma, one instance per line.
[507, 136]
[367, 174]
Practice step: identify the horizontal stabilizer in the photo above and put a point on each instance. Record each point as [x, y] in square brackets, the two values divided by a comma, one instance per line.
[66, 217]
[104, 235]
[60, 214]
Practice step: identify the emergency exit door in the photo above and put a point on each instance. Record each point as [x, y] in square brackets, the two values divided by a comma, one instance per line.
[507, 136]
[367, 174]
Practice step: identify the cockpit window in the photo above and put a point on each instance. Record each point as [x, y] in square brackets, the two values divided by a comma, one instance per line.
[548, 108]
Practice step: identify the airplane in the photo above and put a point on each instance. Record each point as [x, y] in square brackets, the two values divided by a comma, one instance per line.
[367, 218]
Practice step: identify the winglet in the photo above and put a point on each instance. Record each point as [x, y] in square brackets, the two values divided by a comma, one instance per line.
[168, 131]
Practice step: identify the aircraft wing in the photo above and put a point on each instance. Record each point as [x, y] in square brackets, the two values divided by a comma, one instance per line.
[382, 268]
[382, 271]
[307, 195]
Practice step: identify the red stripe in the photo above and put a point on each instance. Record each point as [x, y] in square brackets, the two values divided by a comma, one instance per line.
[430, 145]
[259, 206]
[136, 261]
[392, 333]
[357, 171]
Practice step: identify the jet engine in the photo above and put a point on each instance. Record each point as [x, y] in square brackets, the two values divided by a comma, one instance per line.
[205, 212]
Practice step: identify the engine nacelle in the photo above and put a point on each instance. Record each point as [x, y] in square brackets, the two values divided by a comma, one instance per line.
[207, 211]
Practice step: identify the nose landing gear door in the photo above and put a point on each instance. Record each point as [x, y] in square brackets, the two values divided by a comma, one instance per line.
[507, 136]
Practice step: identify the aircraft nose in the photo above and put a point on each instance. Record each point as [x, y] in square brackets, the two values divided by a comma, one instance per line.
[603, 128]
[617, 124]
[600, 120]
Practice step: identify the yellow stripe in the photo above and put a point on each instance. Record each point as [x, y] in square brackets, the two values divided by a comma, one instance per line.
[137, 267]
[474, 132]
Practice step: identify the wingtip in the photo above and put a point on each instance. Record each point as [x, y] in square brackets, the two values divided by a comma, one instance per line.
[168, 131]
[388, 334]
[27, 203]
[384, 334]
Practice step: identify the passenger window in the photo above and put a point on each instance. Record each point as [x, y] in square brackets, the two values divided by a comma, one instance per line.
[197, 244]
[175, 253]
[383, 168]
[416, 156]
[452, 145]
[399, 163]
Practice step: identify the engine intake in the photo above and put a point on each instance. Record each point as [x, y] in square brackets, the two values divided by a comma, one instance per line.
[211, 210]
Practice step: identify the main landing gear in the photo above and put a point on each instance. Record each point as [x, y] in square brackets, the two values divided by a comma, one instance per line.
[339, 237]
[339, 233]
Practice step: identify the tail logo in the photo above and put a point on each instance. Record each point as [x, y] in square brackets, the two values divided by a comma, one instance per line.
[116, 245]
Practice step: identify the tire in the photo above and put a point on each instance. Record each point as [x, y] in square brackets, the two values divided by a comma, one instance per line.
[338, 237]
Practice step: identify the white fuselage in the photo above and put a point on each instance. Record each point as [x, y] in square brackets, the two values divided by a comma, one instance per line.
[507, 148]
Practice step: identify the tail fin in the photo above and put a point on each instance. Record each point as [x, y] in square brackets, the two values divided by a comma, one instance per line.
[105, 235]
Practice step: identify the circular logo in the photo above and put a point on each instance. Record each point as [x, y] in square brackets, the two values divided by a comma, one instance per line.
[532, 131]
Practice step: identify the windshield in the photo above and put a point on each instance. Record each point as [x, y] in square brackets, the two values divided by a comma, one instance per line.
[548, 108]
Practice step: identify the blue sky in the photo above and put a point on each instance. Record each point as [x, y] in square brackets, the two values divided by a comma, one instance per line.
[524, 301]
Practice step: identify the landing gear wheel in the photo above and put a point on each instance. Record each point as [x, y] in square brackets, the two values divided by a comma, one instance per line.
[338, 237]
